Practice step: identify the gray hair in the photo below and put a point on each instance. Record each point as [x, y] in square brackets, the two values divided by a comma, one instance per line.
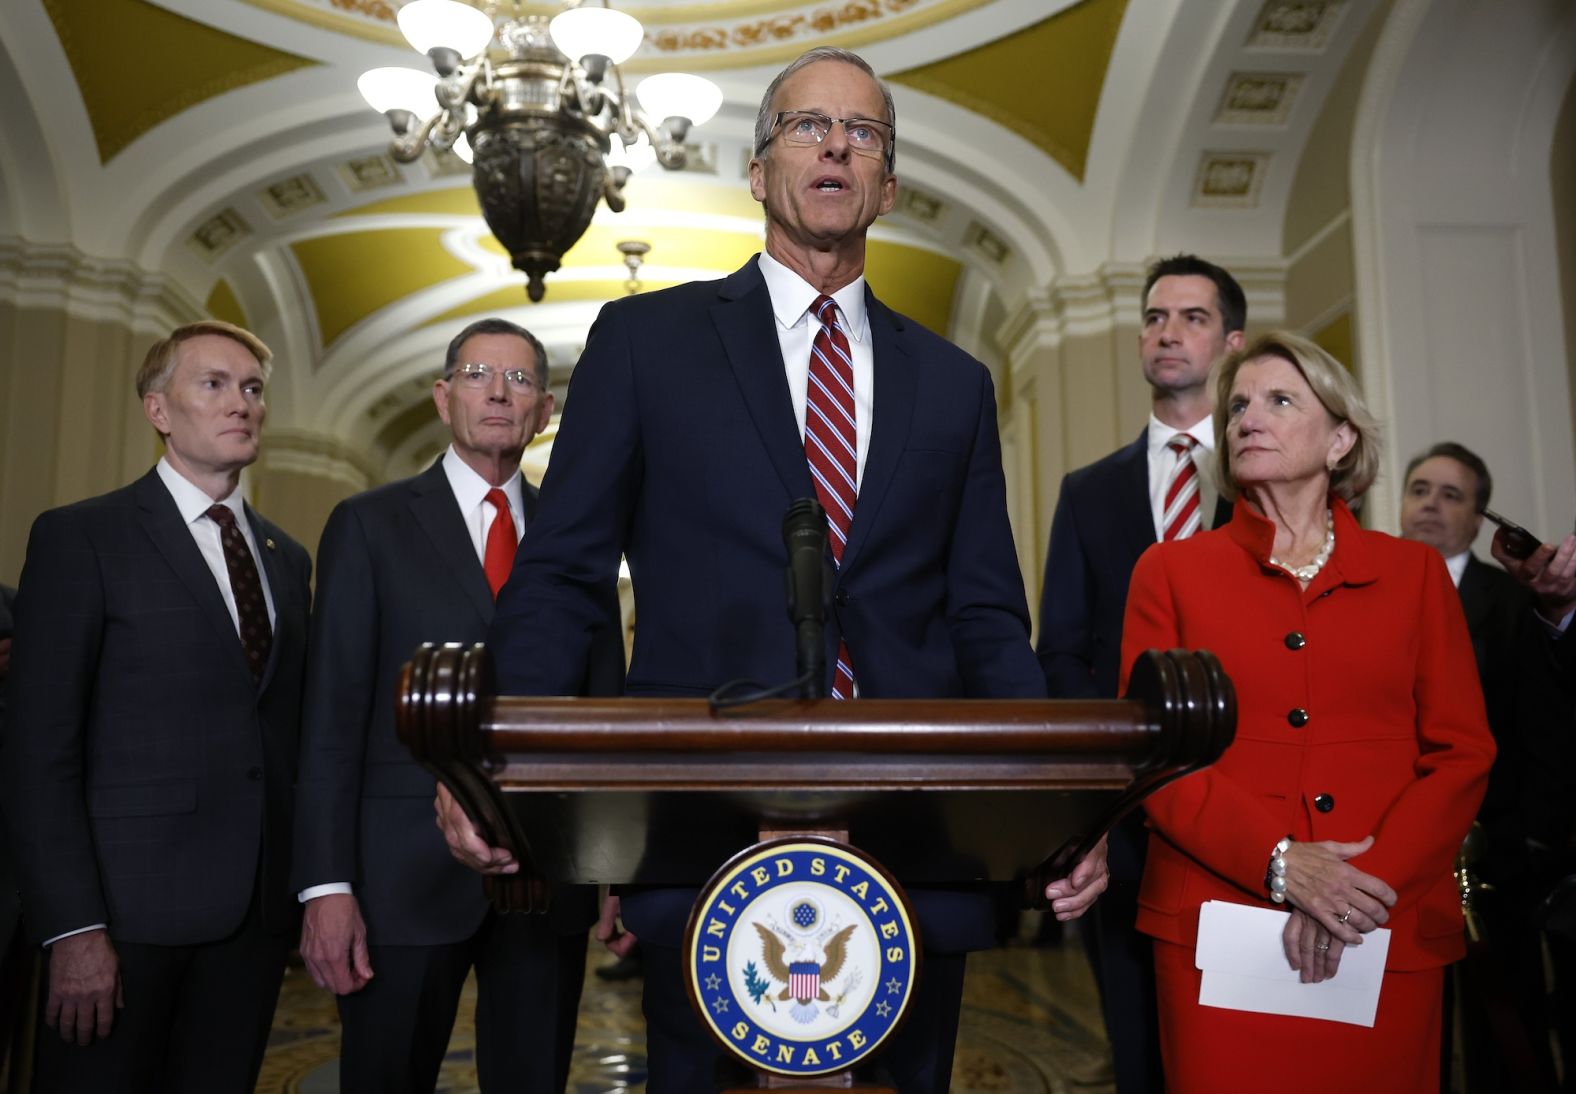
[495, 325]
[764, 116]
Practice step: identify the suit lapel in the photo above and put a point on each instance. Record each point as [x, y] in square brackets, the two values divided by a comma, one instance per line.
[896, 386]
[1474, 596]
[162, 521]
[1132, 497]
[438, 514]
[744, 321]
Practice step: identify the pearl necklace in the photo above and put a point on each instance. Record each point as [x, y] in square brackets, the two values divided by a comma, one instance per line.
[1309, 572]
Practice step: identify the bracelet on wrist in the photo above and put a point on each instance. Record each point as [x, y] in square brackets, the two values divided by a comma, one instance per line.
[1275, 877]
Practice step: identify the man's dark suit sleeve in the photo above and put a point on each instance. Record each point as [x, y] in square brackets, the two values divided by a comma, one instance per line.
[59, 625]
[543, 643]
[987, 613]
[342, 675]
[1066, 606]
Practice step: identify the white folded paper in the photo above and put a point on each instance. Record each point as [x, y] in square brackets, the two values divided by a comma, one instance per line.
[1244, 968]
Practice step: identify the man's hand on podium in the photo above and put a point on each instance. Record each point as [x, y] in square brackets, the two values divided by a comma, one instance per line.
[464, 842]
[1074, 894]
[610, 932]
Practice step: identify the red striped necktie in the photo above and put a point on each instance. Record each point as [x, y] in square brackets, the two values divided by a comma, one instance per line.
[1182, 515]
[831, 446]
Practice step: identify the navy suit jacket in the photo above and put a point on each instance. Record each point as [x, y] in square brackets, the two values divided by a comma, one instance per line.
[396, 568]
[1531, 709]
[1102, 524]
[678, 448]
[146, 779]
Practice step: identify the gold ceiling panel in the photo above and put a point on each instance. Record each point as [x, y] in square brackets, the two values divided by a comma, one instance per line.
[691, 248]
[1043, 82]
[657, 190]
[222, 304]
[175, 64]
[558, 292]
[919, 283]
[355, 274]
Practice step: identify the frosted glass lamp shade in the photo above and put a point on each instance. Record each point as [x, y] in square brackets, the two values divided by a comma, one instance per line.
[679, 95]
[460, 27]
[388, 89]
[580, 32]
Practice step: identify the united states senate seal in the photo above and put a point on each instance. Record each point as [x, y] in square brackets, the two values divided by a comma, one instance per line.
[800, 956]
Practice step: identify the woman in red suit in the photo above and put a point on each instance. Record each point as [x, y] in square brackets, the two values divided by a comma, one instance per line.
[1361, 753]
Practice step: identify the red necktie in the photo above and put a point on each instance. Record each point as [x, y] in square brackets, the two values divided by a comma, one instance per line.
[498, 559]
[831, 445]
[1182, 511]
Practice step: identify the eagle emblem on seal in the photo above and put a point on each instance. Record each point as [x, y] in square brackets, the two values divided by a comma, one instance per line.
[804, 958]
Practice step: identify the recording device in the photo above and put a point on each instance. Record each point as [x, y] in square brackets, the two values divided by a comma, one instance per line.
[1518, 542]
[804, 534]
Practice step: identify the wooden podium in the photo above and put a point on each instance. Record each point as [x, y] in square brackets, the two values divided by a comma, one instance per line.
[664, 791]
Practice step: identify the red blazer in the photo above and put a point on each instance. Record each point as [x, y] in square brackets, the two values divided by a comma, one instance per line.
[1374, 659]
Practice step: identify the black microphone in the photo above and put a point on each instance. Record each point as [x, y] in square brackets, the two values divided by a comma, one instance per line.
[804, 534]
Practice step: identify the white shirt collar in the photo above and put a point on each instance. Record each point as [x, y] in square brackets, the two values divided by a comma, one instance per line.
[1457, 565]
[1160, 433]
[792, 296]
[192, 500]
[470, 489]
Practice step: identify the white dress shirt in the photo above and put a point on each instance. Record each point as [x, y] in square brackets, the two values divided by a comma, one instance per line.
[1163, 461]
[470, 492]
[792, 297]
[193, 503]
[1457, 565]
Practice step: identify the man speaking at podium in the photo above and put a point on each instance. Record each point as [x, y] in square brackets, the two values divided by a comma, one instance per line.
[696, 416]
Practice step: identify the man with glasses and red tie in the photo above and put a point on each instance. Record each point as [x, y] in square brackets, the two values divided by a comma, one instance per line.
[1157, 488]
[392, 924]
[696, 416]
[150, 752]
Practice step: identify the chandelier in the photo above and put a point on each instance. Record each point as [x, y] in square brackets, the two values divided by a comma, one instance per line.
[540, 110]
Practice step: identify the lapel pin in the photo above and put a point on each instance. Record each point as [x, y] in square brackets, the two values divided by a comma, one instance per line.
[270, 543]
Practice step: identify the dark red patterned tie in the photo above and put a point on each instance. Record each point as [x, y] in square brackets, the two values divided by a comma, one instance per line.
[831, 446]
[498, 555]
[257, 636]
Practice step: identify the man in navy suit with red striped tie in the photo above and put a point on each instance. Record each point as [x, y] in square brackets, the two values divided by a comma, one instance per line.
[695, 417]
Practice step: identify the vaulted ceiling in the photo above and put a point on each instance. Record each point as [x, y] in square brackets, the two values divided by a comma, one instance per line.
[222, 144]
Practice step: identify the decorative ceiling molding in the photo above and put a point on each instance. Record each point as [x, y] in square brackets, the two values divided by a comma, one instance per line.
[1258, 98]
[1304, 25]
[1230, 180]
[34, 275]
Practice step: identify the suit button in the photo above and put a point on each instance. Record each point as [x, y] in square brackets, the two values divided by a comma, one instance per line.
[1324, 803]
[254, 773]
[1297, 717]
[1295, 641]
[840, 598]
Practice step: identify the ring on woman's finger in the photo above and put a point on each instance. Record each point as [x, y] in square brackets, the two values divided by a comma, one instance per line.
[1322, 947]
[1344, 916]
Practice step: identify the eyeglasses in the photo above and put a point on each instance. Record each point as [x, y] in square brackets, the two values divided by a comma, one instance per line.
[476, 375]
[864, 135]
